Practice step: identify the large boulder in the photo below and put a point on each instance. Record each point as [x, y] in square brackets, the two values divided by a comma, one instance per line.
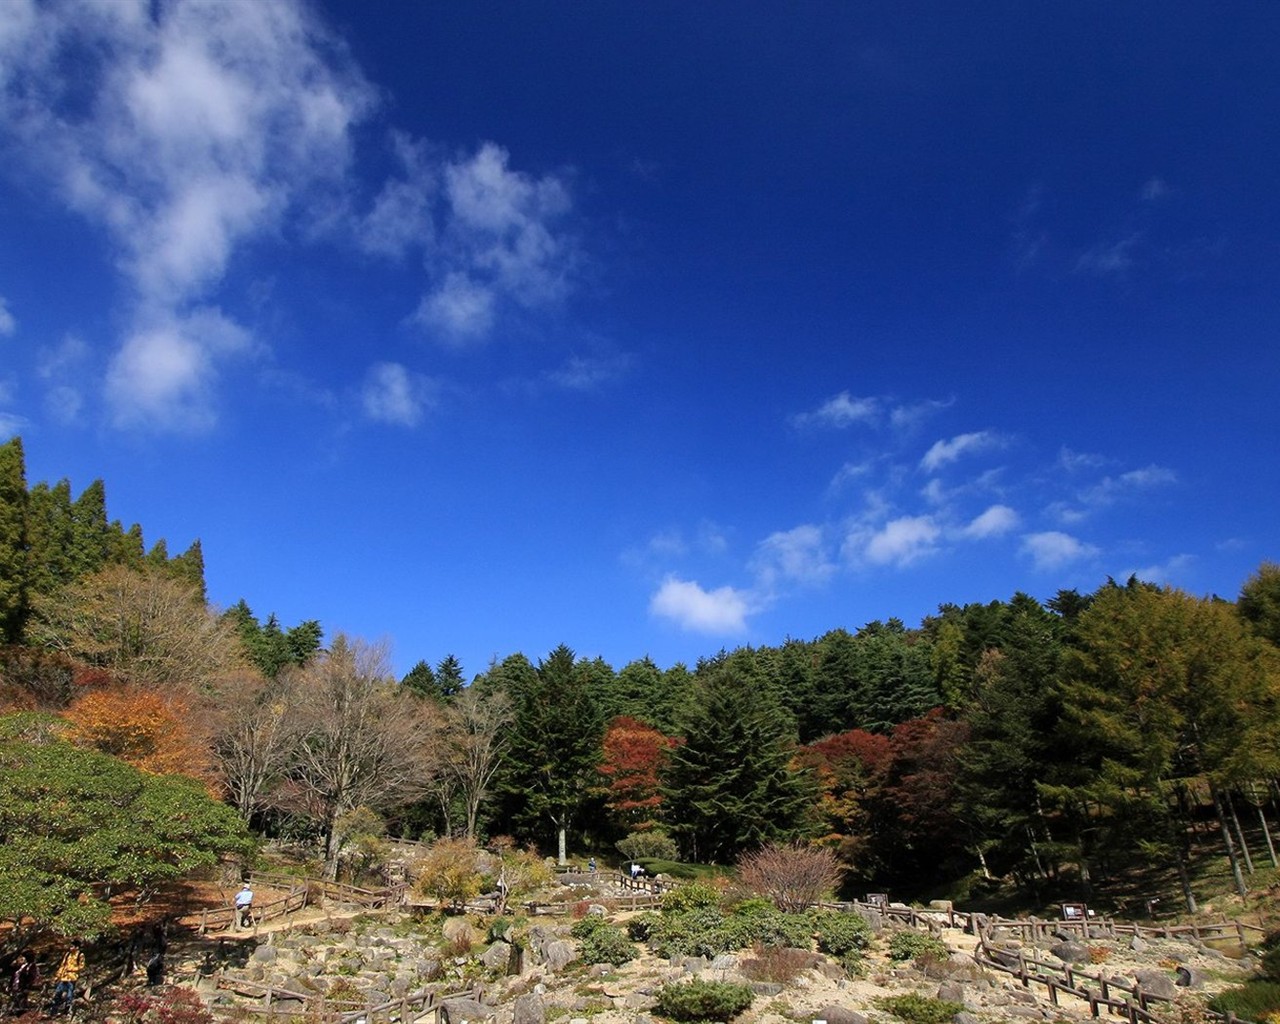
[1155, 982]
[834, 1014]
[529, 1009]
[464, 1011]
[1070, 952]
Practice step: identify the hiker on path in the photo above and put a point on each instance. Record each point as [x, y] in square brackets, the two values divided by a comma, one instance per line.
[244, 905]
[21, 982]
[66, 978]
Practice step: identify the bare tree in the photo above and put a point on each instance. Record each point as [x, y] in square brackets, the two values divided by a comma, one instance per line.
[359, 740]
[252, 740]
[479, 718]
[793, 877]
[142, 625]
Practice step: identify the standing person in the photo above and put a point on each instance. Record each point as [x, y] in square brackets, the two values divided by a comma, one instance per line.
[22, 982]
[244, 905]
[66, 978]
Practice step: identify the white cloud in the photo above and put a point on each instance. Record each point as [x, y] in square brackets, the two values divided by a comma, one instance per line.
[1053, 549]
[403, 212]
[848, 473]
[902, 541]
[459, 309]
[994, 522]
[945, 452]
[1167, 572]
[7, 323]
[1108, 258]
[717, 612]
[908, 417]
[63, 403]
[184, 129]
[164, 374]
[589, 373]
[1154, 189]
[1111, 489]
[392, 394]
[10, 425]
[1073, 462]
[840, 411]
[800, 555]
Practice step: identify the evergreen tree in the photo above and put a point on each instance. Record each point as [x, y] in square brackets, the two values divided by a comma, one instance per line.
[49, 537]
[189, 567]
[449, 678]
[555, 744]
[731, 785]
[89, 530]
[125, 547]
[304, 640]
[421, 681]
[13, 541]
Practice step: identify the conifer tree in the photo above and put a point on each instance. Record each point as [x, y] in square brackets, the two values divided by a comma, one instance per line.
[13, 541]
[49, 537]
[89, 530]
[555, 745]
[731, 785]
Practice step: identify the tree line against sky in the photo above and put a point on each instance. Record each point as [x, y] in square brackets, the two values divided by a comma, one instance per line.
[1054, 744]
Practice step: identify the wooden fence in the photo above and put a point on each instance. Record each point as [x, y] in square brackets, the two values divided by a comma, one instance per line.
[275, 1001]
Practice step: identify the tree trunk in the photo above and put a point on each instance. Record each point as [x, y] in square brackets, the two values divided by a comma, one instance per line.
[1266, 830]
[1235, 820]
[1234, 859]
[560, 835]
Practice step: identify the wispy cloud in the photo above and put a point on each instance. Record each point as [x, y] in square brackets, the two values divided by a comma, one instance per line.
[840, 411]
[797, 555]
[1109, 259]
[204, 125]
[1154, 189]
[996, 521]
[898, 542]
[947, 451]
[7, 323]
[1053, 549]
[1168, 572]
[589, 373]
[719, 612]
[392, 394]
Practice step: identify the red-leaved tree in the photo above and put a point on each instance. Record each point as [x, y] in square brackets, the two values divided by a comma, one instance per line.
[633, 755]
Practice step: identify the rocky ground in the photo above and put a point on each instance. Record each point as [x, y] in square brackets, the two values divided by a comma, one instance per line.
[375, 958]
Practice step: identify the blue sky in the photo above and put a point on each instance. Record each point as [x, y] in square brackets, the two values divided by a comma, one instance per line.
[648, 328]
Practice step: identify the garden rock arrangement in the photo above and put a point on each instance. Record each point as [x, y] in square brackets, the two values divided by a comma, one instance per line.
[533, 974]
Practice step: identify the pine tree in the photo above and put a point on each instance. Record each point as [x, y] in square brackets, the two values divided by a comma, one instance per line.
[49, 537]
[731, 786]
[13, 541]
[421, 681]
[449, 678]
[555, 744]
[189, 567]
[89, 530]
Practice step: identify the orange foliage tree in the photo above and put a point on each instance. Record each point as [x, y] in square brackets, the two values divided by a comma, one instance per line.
[158, 733]
[851, 768]
[633, 754]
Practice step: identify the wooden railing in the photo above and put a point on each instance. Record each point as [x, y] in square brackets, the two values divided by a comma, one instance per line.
[274, 1001]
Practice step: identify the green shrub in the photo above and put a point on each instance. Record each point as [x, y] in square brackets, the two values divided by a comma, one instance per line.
[1253, 1000]
[840, 934]
[652, 844]
[843, 936]
[914, 945]
[693, 896]
[586, 925]
[698, 932]
[758, 922]
[703, 1001]
[641, 926]
[606, 944]
[918, 1009]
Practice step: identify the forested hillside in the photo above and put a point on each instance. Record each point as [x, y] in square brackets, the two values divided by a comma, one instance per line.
[1052, 745]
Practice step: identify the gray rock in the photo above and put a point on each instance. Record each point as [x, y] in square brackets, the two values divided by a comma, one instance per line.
[1070, 952]
[1139, 945]
[692, 964]
[964, 1017]
[265, 954]
[557, 954]
[724, 962]
[455, 1011]
[951, 992]
[1028, 1012]
[639, 1001]
[834, 1014]
[529, 1009]
[766, 988]
[1155, 983]
[497, 956]
[1189, 977]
